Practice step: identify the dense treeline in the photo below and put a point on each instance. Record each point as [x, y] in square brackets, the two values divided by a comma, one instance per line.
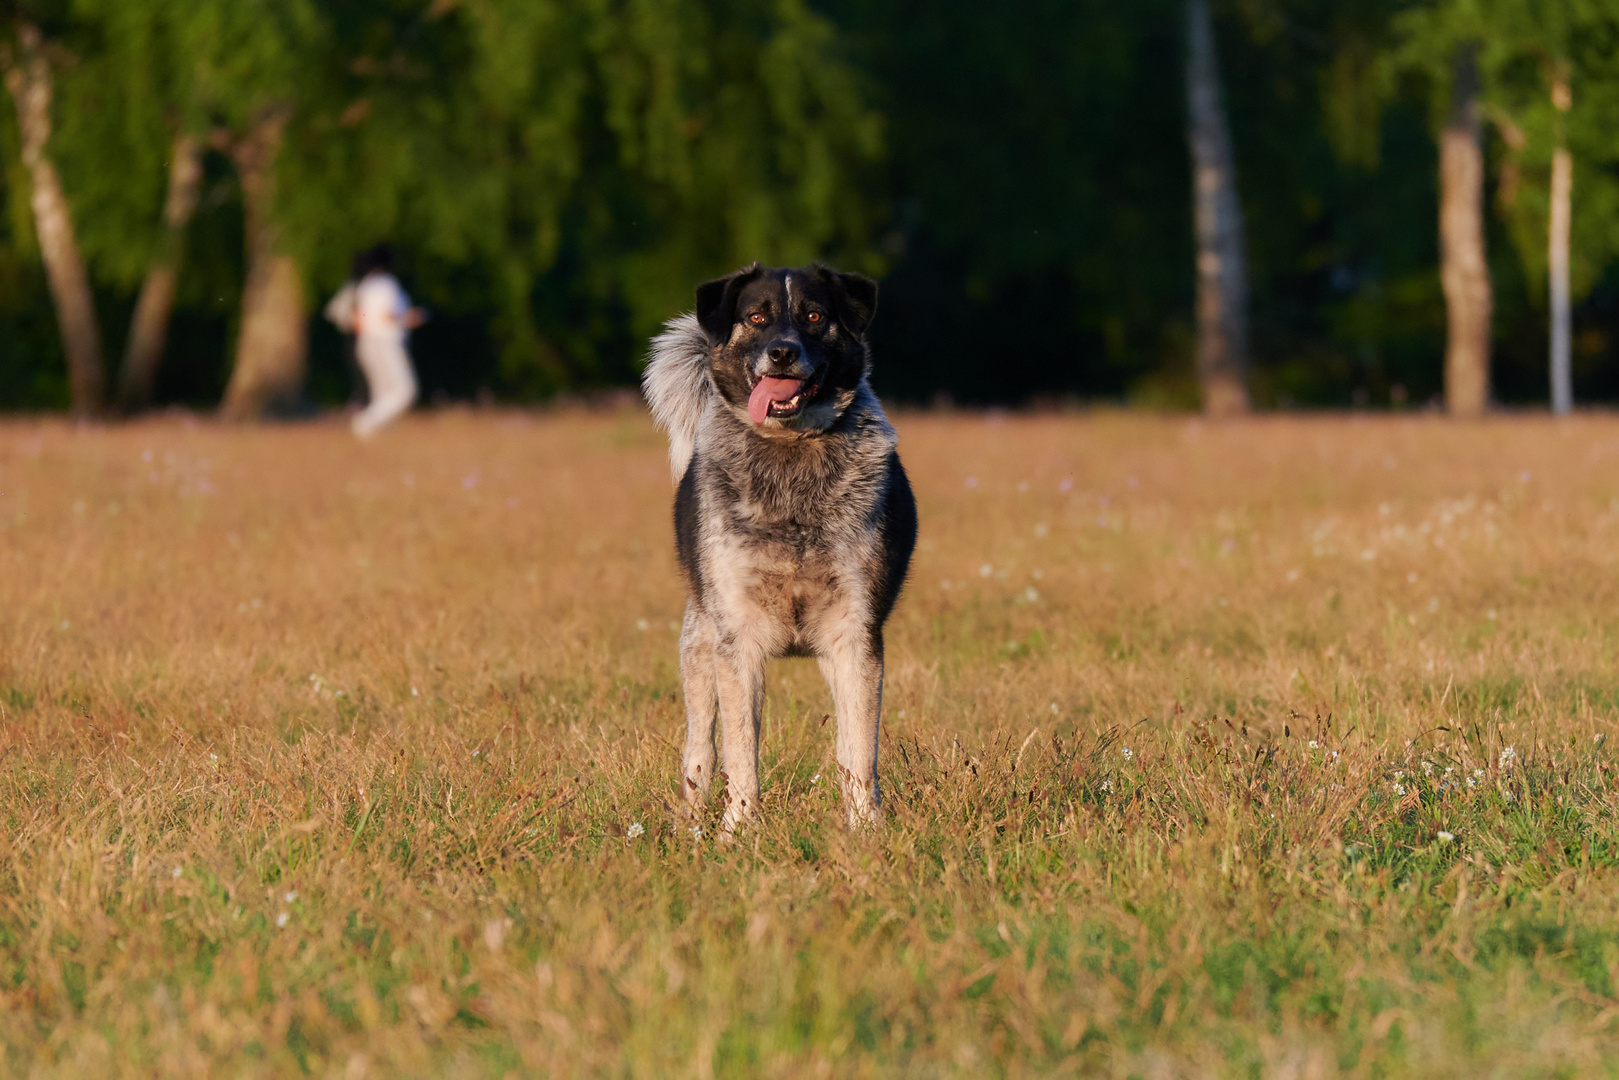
[556, 176]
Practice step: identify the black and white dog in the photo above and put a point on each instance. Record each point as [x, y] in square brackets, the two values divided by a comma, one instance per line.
[794, 521]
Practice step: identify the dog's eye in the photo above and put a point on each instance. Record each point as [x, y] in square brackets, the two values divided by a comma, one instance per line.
[815, 316]
[757, 319]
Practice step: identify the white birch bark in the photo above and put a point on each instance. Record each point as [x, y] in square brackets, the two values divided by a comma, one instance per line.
[28, 78]
[1557, 245]
[1464, 271]
[1222, 270]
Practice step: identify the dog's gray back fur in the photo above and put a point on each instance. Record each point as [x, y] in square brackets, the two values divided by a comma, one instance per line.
[792, 544]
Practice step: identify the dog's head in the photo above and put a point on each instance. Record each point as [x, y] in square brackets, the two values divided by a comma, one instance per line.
[789, 344]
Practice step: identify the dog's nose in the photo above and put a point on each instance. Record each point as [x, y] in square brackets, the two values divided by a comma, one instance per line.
[783, 352]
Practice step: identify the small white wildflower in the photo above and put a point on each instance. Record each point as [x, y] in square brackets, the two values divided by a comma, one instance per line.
[281, 919]
[1128, 753]
[213, 757]
[1506, 758]
[1399, 774]
[1446, 837]
[1314, 745]
[414, 692]
[1478, 774]
[635, 829]
[1054, 708]
[697, 832]
[1471, 782]
[1399, 789]
[816, 779]
[1427, 768]
[290, 896]
[1107, 785]
[176, 873]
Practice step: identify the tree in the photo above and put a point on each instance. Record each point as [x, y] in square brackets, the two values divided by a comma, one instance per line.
[252, 68]
[271, 348]
[1554, 88]
[592, 161]
[1559, 223]
[1222, 271]
[149, 326]
[1464, 270]
[1443, 40]
[31, 82]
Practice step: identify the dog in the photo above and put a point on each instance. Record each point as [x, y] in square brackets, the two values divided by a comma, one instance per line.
[794, 520]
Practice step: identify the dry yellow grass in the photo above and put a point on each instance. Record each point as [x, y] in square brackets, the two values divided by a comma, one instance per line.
[1274, 748]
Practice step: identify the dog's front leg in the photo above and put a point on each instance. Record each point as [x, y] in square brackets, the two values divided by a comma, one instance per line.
[699, 687]
[741, 680]
[853, 669]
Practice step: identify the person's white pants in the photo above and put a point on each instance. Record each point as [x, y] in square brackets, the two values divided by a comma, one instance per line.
[392, 382]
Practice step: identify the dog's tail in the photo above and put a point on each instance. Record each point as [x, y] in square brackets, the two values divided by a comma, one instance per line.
[678, 386]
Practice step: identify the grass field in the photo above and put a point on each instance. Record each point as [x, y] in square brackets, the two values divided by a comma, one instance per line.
[1278, 748]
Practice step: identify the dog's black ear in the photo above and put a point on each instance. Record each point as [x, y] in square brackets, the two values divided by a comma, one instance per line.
[716, 303]
[857, 298]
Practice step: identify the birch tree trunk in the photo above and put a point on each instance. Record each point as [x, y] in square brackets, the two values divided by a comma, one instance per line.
[28, 78]
[151, 322]
[1222, 271]
[1464, 272]
[1557, 243]
[270, 352]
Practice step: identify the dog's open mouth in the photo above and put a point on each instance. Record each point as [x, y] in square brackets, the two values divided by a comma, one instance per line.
[779, 399]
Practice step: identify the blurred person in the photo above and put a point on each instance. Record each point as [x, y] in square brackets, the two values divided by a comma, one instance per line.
[374, 308]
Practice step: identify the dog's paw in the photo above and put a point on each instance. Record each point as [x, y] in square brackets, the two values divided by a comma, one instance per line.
[739, 814]
[864, 801]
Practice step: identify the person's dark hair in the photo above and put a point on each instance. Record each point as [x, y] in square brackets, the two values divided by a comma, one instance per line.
[380, 257]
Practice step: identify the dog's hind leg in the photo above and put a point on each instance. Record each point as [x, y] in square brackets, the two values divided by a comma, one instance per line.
[700, 689]
[853, 668]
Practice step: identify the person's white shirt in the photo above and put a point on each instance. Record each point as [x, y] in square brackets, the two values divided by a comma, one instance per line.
[380, 307]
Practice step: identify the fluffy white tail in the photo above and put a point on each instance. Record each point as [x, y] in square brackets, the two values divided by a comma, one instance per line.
[678, 386]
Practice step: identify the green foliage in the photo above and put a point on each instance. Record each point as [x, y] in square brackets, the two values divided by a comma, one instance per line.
[557, 176]
[593, 160]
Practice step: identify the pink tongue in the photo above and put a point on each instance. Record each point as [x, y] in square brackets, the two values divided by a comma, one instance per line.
[767, 391]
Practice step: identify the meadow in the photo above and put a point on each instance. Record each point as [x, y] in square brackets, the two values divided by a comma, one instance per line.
[1276, 748]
